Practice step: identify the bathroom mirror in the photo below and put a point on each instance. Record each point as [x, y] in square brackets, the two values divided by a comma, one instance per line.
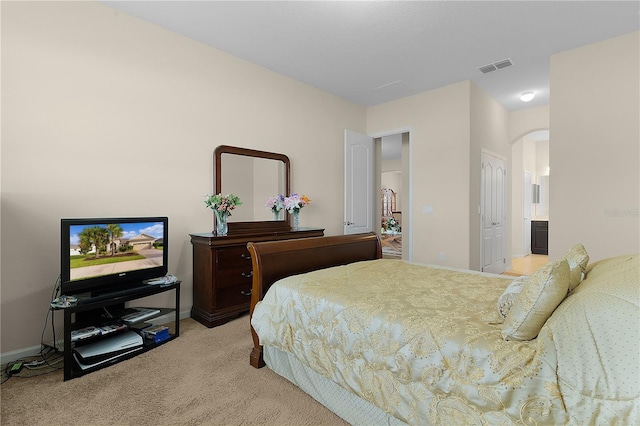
[542, 208]
[254, 176]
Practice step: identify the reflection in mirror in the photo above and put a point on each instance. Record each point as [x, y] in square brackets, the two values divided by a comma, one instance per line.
[254, 176]
[542, 208]
[254, 180]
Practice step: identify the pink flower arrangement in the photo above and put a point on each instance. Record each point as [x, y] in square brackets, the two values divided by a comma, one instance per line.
[295, 202]
[275, 203]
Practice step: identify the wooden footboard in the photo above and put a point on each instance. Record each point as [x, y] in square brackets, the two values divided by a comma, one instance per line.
[275, 260]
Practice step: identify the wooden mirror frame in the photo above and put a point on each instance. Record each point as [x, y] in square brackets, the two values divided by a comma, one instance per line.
[257, 225]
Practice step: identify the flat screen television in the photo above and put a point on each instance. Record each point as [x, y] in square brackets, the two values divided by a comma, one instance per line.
[102, 255]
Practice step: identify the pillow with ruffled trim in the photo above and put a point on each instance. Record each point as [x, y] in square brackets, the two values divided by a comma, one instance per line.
[578, 259]
[506, 299]
[541, 295]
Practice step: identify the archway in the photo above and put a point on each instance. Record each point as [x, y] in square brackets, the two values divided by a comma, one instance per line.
[529, 192]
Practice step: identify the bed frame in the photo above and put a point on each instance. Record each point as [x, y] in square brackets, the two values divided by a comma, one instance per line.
[275, 260]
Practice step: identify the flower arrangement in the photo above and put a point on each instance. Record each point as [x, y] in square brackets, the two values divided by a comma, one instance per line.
[295, 202]
[390, 224]
[275, 203]
[222, 203]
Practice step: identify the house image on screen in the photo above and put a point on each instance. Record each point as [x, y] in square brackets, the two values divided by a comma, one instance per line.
[74, 250]
[141, 242]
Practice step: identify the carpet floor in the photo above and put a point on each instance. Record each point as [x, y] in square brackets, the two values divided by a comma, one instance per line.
[201, 378]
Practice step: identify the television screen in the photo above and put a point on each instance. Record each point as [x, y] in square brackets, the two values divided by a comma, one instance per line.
[102, 254]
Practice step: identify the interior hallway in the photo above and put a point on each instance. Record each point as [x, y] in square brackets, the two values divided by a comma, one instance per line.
[527, 265]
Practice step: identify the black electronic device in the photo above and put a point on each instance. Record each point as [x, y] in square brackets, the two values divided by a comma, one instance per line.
[135, 248]
[16, 368]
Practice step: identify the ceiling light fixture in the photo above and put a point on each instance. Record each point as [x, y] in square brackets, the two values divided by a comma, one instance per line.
[527, 96]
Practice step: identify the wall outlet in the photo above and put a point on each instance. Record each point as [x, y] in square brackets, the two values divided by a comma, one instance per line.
[441, 256]
[58, 347]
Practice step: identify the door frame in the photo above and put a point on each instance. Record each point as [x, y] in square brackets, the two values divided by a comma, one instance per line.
[407, 196]
[526, 207]
[480, 216]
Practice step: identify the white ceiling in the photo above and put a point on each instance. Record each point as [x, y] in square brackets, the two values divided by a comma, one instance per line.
[371, 52]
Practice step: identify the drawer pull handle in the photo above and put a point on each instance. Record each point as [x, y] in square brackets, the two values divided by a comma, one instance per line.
[246, 293]
[249, 275]
[245, 256]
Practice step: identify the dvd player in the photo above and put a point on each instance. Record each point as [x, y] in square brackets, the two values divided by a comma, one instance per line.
[108, 347]
[105, 360]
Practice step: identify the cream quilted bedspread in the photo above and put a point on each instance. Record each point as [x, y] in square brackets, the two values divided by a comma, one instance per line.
[596, 332]
[421, 343]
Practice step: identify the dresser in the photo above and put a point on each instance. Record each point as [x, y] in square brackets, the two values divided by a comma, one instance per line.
[222, 271]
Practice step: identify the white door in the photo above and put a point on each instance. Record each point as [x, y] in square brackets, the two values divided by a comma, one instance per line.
[493, 214]
[526, 249]
[358, 182]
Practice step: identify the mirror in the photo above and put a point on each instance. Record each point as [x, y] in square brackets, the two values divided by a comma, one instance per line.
[542, 208]
[254, 176]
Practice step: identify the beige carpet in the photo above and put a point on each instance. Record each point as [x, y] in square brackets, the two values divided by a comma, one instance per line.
[201, 378]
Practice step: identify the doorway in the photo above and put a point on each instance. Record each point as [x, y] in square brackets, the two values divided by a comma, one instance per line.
[363, 196]
[526, 230]
[391, 196]
[530, 189]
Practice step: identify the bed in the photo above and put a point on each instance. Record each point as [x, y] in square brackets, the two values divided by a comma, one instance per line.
[382, 341]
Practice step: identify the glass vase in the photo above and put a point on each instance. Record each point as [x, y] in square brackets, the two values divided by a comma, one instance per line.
[296, 219]
[276, 215]
[221, 223]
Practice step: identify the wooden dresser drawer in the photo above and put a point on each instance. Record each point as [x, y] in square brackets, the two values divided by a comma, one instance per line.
[233, 296]
[234, 277]
[233, 257]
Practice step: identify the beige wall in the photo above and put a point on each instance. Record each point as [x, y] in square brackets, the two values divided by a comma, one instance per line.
[489, 132]
[90, 95]
[524, 121]
[594, 148]
[449, 128]
[439, 121]
[516, 168]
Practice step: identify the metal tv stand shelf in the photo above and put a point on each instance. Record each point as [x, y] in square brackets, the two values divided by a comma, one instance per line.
[85, 313]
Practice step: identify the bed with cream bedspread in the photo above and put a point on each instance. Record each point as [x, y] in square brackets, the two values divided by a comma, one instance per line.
[424, 343]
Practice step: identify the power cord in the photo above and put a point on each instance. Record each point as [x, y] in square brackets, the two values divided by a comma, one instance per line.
[54, 294]
[37, 365]
[48, 358]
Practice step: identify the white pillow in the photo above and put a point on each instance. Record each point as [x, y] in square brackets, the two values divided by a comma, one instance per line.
[540, 296]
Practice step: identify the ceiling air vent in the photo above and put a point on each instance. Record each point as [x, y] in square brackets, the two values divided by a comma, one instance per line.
[496, 66]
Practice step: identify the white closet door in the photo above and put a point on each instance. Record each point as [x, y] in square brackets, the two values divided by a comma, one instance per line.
[493, 214]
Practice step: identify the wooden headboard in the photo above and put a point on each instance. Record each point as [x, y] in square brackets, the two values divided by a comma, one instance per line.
[275, 260]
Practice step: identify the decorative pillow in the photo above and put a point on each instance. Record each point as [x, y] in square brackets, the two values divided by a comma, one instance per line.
[578, 259]
[506, 299]
[540, 296]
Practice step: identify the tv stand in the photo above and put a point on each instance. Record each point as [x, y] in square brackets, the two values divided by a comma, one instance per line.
[86, 313]
[97, 296]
